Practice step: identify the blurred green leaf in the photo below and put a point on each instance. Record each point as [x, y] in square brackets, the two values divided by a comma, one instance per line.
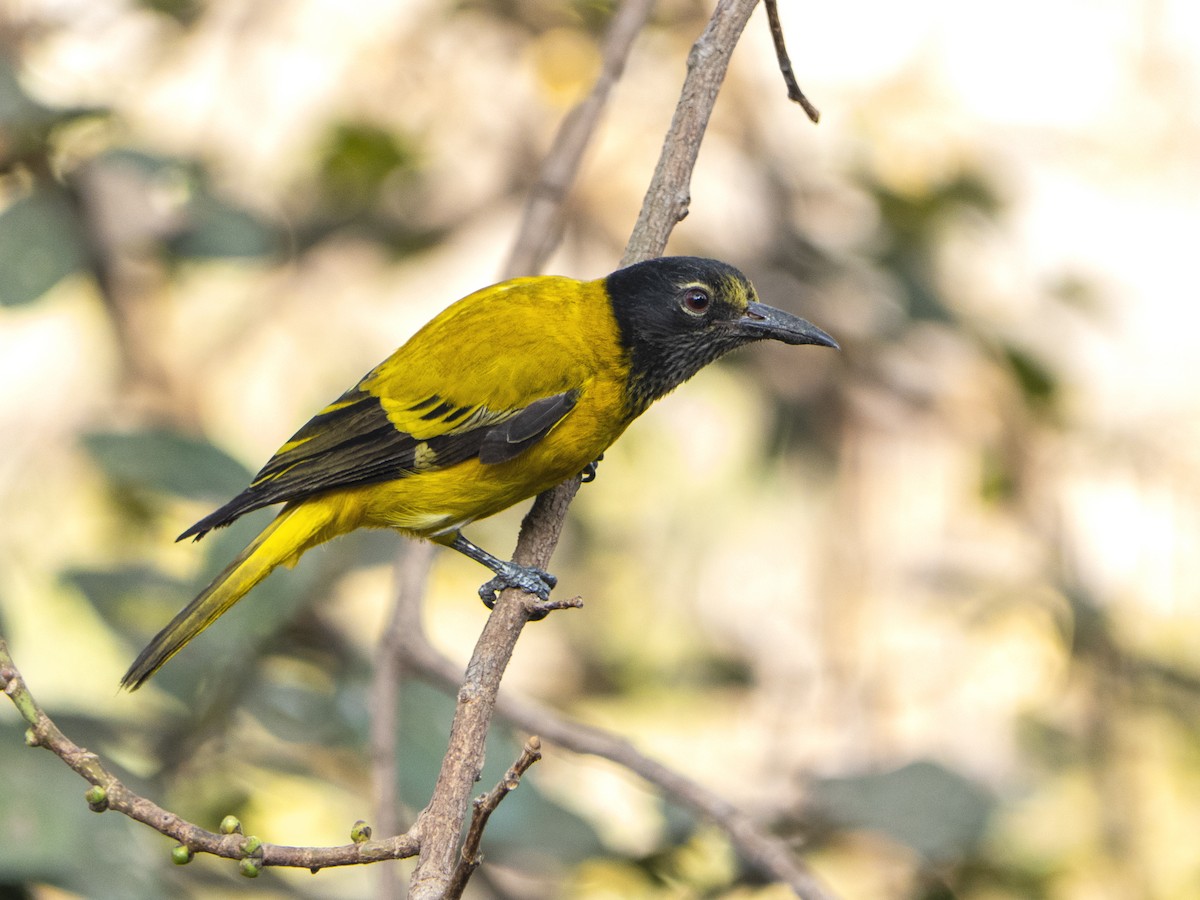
[167, 462]
[16, 107]
[26, 125]
[49, 836]
[1038, 384]
[915, 218]
[530, 826]
[112, 593]
[998, 481]
[300, 713]
[185, 12]
[912, 226]
[149, 165]
[932, 809]
[204, 225]
[40, 244]
[358, 158]
[217, 230]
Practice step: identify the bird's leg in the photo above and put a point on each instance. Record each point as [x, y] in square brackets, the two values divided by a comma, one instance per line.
[508, 574]
[589, 471]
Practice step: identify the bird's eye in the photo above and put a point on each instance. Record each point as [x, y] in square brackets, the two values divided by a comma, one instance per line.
[695, 301]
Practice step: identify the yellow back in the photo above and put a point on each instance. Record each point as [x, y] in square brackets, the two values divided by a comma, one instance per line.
[502, 348]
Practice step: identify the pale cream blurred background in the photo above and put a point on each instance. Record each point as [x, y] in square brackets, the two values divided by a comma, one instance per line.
[928, 606]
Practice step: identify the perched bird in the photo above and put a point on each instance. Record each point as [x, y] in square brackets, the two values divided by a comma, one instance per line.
[503, 395]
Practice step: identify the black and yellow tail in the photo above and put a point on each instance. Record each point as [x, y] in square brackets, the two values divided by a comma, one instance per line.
[294, 530]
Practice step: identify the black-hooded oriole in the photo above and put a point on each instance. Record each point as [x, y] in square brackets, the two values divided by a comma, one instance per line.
[503, 395]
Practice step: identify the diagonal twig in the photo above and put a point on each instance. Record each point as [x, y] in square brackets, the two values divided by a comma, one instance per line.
[440, 822]
[785, 63]
[484, 806]
[669, 194]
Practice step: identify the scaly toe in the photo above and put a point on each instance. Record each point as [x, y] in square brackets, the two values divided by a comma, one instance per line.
[527, 578]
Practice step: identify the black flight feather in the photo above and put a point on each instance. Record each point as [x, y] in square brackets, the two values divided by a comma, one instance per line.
[353, 443]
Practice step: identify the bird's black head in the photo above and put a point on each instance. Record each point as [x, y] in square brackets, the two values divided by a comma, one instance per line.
[679, 313]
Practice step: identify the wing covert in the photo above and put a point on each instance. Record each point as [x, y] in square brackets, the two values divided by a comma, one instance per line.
[354, 441]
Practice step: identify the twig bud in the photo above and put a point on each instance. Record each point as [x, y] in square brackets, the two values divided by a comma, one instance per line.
[181, 855]
[231, 825]
[360, 832]
[97, 798]
[250, 866]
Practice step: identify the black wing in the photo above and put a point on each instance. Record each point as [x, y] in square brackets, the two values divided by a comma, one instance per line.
[512, 437]
[353, 442]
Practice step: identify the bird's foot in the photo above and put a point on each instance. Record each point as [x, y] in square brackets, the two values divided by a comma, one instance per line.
[530, 579]
[589, 471]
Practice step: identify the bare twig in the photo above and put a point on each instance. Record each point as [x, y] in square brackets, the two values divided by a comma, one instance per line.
[541, 224]
[669, 195]
[785, 63]
[484, 806]
[110, 794]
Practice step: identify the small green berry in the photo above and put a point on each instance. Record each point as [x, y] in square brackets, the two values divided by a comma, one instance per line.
[231, 825]
[360, 832]
[97, 798]
[181, 855]
[250, 867]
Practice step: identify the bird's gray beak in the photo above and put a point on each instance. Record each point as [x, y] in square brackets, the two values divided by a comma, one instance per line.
[762, 322]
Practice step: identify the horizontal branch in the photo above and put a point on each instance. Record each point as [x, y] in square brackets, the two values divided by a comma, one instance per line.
[109, 793]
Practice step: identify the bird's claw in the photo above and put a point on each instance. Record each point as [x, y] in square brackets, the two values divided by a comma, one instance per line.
[530, 579]
[589, 471]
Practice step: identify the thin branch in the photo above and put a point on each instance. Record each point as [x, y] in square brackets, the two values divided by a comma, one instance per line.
[541, 224]
[669, 195]
[441, 821]
[110, 794]
[785, 63]
[484, 806]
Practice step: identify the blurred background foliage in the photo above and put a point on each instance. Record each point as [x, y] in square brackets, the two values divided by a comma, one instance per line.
[927, 606]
